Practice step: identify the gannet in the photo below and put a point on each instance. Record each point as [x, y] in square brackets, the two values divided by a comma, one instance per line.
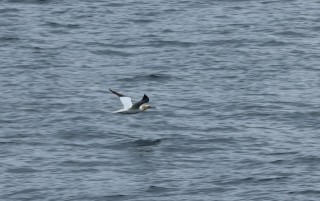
[128, 107]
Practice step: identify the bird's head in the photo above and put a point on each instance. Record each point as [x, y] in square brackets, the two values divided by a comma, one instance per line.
[144, 107]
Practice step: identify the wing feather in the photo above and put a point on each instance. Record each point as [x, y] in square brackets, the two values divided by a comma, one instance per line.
[145, 99]
[126, 102]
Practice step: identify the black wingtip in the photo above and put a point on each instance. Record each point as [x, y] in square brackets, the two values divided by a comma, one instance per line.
[145, 98]
[116, 93]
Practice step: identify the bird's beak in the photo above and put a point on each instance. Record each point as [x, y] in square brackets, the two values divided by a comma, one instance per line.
[152, 107]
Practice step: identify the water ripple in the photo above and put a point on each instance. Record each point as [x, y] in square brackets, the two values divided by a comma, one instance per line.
[235, 85]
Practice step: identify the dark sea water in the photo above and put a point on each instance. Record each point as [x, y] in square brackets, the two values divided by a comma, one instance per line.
[236, 85]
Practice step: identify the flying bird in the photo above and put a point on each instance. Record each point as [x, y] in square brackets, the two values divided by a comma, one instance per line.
[128, 107]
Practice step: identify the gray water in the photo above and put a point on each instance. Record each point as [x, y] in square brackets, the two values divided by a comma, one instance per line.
[236, 85]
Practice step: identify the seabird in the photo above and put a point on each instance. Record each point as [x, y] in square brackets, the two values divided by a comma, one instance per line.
[128, 107]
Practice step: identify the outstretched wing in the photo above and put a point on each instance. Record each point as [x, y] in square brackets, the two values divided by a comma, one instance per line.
[126, 101]
[145, 99]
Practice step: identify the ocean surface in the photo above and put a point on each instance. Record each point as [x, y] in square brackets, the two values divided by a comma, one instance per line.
[236, 85]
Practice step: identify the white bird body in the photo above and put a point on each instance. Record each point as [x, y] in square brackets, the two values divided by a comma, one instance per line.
[128, 107]
[128, 111]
